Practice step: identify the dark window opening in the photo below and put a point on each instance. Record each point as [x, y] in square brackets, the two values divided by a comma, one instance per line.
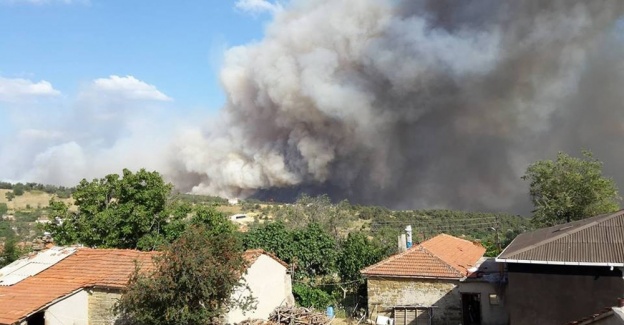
[36, 319]
[471, 308]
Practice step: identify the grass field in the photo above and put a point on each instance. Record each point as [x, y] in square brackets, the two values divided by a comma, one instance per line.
[32, 199]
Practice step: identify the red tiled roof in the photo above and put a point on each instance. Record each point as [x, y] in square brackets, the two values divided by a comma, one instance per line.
[85, 268]
[252, 255]
[443, 256]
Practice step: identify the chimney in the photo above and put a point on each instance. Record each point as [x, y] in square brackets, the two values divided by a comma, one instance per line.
[402, 243]
[408, 231]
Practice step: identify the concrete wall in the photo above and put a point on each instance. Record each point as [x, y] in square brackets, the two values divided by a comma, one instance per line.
[71, 310]
[559, 294]
[270, 284]
[101, 303]
[491, 314]
[384, 293]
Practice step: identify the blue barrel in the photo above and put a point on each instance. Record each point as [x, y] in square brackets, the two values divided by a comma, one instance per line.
[330, 311]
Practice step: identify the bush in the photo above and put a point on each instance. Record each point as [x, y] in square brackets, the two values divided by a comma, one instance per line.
[308, 296]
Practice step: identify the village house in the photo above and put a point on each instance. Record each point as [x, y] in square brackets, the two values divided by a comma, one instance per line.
[422, 284]
[566, 272]
[79, 286]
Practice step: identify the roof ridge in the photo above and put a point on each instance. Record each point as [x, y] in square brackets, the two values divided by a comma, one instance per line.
[451, 236]
[389, 259]
[600, 219]
[447, 264]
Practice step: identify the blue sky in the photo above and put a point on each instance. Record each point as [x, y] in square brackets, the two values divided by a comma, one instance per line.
[101, 84]
[174, 45]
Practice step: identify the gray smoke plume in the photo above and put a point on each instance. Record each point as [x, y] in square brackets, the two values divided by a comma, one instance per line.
[412, 104]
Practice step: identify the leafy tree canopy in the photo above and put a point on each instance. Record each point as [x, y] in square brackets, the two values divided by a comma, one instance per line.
[113, 211]
[10, 252]
[193, 281]
[569, 189]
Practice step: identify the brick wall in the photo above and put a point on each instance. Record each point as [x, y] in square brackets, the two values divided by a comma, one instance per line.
[101, 302]
[383, 293]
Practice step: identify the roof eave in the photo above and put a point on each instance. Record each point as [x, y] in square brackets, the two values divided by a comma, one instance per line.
[411, 277]
[509, 260]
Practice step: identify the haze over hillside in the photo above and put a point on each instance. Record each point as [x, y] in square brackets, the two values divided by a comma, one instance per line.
[408, 104]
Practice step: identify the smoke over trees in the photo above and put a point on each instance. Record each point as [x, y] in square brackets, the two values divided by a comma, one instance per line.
[412, 103]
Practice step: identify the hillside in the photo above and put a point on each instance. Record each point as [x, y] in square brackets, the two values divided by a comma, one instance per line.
[29, 200]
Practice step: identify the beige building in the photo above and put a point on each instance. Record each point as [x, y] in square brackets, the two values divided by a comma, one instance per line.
[421, 285]
[270, 284]
[80, 286]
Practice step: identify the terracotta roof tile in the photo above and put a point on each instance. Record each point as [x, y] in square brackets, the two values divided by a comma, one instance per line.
[252, 255]
[85, 268]
[443, 256]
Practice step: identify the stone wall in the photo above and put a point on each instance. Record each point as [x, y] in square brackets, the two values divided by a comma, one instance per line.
[101, 303]
[384, 293]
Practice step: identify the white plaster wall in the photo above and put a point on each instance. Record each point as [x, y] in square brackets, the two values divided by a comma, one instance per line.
[73, 310]
[270, 284]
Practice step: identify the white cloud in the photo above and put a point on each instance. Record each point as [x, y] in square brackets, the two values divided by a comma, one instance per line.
[110, 124]
[258, 6]
[129, 88]
[17, 89]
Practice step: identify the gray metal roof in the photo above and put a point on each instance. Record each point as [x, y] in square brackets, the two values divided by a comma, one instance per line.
[593, 241]
[28, 266]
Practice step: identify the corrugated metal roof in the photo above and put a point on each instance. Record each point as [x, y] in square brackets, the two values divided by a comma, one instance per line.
[29, 266]
[598, 240]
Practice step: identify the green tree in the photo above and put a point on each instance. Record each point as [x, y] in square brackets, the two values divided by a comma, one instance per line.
[569, 189]
[18, 189]
[358, 252]
[193, 282]
[114, 211]
[10, 196]
[273, 237]
[10, 252]
[315, 251]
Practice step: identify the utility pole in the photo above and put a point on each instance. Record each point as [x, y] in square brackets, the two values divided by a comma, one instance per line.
[498, 244]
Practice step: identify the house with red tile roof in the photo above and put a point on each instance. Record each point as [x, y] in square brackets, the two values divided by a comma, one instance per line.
[77, 285]
[422, 284]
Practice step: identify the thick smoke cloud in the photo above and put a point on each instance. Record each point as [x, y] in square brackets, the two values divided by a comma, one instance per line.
[412, 104]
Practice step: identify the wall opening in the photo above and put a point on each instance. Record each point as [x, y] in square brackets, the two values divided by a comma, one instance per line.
[36, 319]
[471, 308]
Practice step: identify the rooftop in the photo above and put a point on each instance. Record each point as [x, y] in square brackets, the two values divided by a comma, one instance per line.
[594, 241]
[84, 267]
[442, 256]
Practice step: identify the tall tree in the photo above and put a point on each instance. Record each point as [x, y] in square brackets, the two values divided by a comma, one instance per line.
[569, 189]
[192, 283]
[113, 211]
